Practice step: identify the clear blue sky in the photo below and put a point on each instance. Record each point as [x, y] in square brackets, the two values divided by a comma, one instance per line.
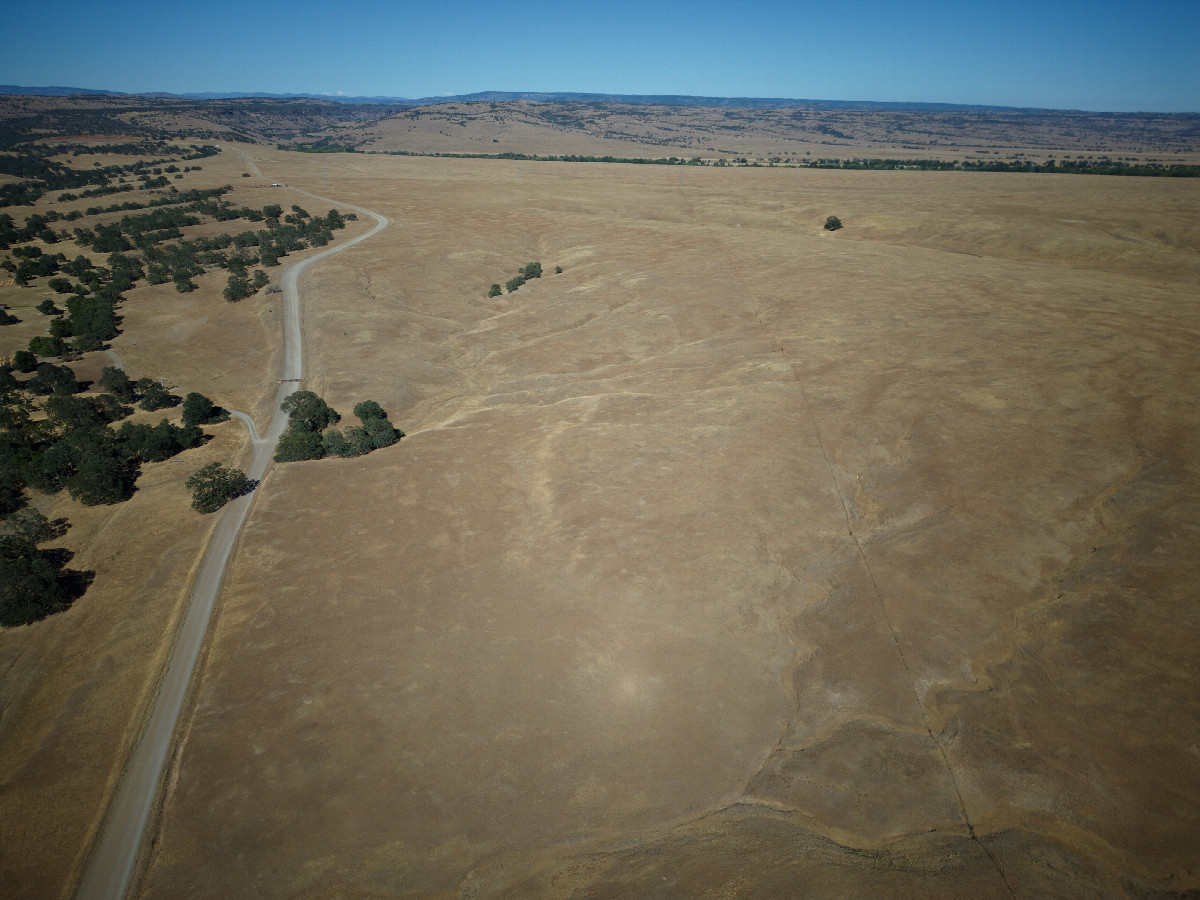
[1098, 54]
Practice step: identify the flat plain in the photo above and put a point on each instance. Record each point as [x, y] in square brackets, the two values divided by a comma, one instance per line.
[740, 558]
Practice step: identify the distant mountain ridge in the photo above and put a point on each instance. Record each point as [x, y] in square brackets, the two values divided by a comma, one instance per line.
[534, 96]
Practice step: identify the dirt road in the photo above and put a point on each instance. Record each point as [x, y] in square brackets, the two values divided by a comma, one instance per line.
[110, 870]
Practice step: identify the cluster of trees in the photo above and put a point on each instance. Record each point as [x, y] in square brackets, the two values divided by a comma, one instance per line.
[37, 225]
[56, 437]
[92, 319]
[91, 316]
[40, 173]
[74, 447]
[31, 263]
[35, 582]
[310, 434]
[530, 270]
[284, 234]
[519, 157]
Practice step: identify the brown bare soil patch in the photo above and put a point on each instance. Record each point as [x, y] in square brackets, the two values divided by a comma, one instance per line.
[740, 558]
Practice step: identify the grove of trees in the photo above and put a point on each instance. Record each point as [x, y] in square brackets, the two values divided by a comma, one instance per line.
[310, 433]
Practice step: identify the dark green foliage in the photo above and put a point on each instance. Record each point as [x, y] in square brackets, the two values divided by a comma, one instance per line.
[52, 379]
[295, 445]
[215, 485]
[333, 443]
[91, 464]
[95, 315]
[368, 410]
[308, 412]
[375, 432]
[125, 270]
[558, 270]
[183, 282]
[379, 433]
[154, 443]
[47, 345]
[86, 342]
[116, 382]
[33, 582]
[261, 280]
[68, 411]
[833, 223]
[24, 361]
[528, 271]
[360, 439]
[61, 328]
[237, 288]
[310, 416]
[198, 409]
[12, 485]
[47, 307]
[154, 395]
[7, 318]
[495, 291]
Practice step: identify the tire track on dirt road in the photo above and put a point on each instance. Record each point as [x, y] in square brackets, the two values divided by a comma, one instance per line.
[110, 868]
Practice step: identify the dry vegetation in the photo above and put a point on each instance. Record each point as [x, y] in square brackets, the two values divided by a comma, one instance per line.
[782, 135]
[740, 558]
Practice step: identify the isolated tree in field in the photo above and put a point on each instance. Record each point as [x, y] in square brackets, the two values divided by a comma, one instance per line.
[215, 485]
[495, 291]
[833, 223]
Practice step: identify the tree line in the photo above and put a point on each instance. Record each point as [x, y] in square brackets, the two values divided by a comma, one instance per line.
[528, 271]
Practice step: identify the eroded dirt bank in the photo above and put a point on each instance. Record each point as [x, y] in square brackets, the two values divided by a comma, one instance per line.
[737, 558]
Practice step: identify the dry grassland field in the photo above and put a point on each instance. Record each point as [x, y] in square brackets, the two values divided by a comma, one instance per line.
[738, 559]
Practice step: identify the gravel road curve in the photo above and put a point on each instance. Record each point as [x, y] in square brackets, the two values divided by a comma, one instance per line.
[110, 868]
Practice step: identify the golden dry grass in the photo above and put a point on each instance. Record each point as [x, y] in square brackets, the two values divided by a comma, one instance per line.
[740, 558]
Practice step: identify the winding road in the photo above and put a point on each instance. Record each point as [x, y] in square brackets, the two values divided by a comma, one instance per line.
[110, 868]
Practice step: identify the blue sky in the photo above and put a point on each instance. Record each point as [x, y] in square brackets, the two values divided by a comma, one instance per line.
[1098, 55]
